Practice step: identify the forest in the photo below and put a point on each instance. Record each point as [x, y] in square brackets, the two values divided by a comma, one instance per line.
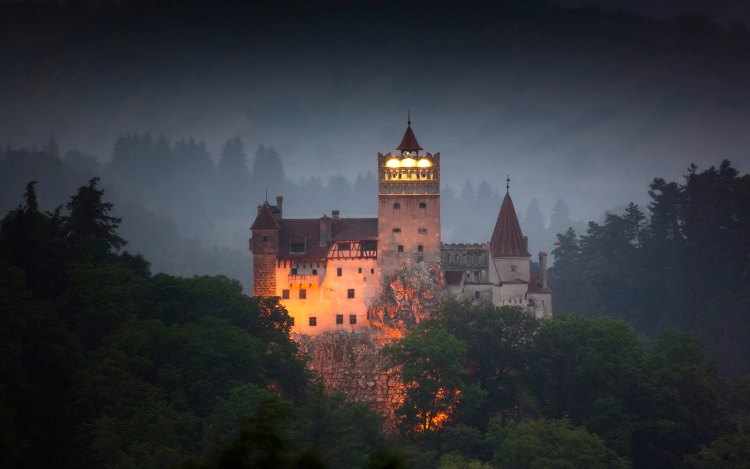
[108, 365]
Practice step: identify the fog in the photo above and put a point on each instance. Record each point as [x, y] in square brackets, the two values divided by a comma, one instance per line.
[577, 105]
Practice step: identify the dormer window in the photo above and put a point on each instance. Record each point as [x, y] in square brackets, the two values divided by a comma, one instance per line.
[396, 206]
[297, 248]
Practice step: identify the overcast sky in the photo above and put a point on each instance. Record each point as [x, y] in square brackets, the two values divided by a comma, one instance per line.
[589, 107]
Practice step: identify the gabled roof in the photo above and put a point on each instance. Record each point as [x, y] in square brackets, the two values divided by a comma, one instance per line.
[507, 238]
[265, 219]
[409, 141]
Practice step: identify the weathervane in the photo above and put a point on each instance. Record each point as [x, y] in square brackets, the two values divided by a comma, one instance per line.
[408, 117]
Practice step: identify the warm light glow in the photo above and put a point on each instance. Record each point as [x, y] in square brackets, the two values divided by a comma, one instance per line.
[424, 163]
[408, 163]
[392, 163]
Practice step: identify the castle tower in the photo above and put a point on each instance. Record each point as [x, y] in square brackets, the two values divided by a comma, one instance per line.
[408, 205]
[264, 245]
[508, 247]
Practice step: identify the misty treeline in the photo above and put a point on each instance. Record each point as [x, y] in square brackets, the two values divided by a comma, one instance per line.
[107, 365]
[189, 212]
[683, 263]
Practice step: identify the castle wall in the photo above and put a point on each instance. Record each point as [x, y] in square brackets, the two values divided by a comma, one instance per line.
[327, 293]
[511, 269]
[416, 222]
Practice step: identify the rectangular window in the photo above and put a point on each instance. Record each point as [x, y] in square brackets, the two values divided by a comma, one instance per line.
[350, 293]
[400, 248]
[372, 271]
[265, 238]
[420, 248]
[397, 230]
[476, 295]
[339, 272]
[339, 319]
[352, 319]
[344, 246]
[315, 271]
[285, 294]
[359, 270]
[422, 231]
[302, 294]
[294, 271]
[297, 248]
[423, 205]
[312, 321]
[396, 205]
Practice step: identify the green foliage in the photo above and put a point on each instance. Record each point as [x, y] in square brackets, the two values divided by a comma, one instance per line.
[552, 444]
[683, 265]
[431, 362]
[104, 365]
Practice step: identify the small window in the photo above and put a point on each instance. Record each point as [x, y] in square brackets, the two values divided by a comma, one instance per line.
[265, 238]
[372, 271]
[344, 246]
[339, 271]
[350, 293]
[312, 321]
[302, 294]
[359, 270]
[476, 295]
[420, 248]
[315, 271]
[423, 205]
[294, 271]
[422, 231]
[297, 248]
[397, 230]
[396, 205]
[352, 319]
[285, 294]
[400, 248]
[339, 319]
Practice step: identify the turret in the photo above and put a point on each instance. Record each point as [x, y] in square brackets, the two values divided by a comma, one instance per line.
[264, 245]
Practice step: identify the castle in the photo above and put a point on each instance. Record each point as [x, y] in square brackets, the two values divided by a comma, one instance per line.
[328, 270]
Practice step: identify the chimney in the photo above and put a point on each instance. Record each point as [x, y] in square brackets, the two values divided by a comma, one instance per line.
[325, 231]
[543, 269]
[525, 245]
[280, 205]
[335, 214]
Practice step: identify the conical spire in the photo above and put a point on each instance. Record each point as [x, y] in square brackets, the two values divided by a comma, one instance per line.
[507, 238]
[409, 140]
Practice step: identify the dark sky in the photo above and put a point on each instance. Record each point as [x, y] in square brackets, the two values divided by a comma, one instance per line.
[588, 105]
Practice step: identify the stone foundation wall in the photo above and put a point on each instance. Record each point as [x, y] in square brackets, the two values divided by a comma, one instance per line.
[352, 363]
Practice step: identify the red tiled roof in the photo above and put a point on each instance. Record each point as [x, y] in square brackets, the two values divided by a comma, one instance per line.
[265, 219]
[307, 230]
[409, 141]
[355, 229]
[507, 238]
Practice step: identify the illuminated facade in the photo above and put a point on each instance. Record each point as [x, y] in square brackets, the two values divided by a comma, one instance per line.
[327, 271]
